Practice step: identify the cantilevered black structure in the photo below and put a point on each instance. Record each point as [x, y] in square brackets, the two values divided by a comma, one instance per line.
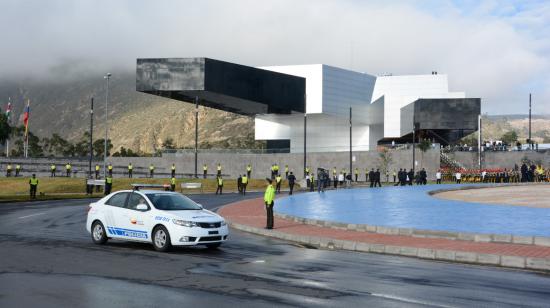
[222, 85]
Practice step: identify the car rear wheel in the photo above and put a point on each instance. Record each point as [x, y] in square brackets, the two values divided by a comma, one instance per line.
[213, 245]
[161, 239]
[99, 235]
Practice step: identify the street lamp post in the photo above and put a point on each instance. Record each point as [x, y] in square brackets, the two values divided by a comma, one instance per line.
[108, 76]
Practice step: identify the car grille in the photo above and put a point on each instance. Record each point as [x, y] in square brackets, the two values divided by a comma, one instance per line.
[210, 238]
[210, 225]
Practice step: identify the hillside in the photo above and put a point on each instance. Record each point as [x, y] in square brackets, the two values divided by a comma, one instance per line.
[137, 121]
[494, 127]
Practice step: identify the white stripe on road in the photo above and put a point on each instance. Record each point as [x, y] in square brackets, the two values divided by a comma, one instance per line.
[32, 215]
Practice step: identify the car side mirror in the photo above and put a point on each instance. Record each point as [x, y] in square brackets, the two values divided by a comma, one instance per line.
[142, 207]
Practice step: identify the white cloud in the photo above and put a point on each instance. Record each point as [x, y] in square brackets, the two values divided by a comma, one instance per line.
[491, 50]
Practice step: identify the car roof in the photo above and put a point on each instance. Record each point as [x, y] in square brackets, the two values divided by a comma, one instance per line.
[149, 191]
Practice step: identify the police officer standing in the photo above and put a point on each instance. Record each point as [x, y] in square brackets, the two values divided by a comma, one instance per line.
[356, 173]
[377, 178]
[52, 169]
[108, 184]
[110, 169]
[219, 181]
[204, 171]
[219, 169]
[33, 183]
[130, 170]
[240, 184]
[371, 177]
[291, 181]
[96, 171]
[173, 183]
[8, 170]
[173, 169]
[244, 182]
[248, 170]
[151, 170]
[68, 169]
[278, 180]
[17, 170]
[269, 197]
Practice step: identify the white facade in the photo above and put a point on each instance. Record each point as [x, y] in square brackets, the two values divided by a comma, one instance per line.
[331, 91]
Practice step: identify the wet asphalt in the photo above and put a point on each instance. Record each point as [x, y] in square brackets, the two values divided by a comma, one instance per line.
[47, 259]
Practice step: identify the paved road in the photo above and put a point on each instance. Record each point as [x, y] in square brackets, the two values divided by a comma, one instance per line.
[47, 259]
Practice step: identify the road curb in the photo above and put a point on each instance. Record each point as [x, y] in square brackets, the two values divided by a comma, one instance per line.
[530, 263]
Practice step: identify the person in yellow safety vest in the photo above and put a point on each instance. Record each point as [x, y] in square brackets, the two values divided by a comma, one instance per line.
[344, 172]
[130, 170]
[219, 181]
[173, 184]
[17, 169]
[151, 170]
[33, 183]
[286, 171]
[173, 168]
[269, 197]
[539, 172]
[8, 170]
[96, 172]
[68, 169]
[356, 174]
[276, 169]
[52, 169]
[108, 184]
[244, 182]
[312, 182]
[204, 170]
[273, 171]
[219, 169]
[334, 171]
[248, 170]
[110, 169]
[307, 170]
[278, 180]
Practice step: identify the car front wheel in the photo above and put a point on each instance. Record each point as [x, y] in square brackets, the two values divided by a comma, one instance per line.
[161, 239]
[99, 235]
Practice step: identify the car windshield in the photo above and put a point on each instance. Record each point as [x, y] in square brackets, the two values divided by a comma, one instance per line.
[172, 202]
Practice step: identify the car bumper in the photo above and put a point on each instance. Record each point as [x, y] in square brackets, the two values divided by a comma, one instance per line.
[198, 236]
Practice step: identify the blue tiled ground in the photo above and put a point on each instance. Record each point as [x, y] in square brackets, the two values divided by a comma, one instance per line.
[412, 207]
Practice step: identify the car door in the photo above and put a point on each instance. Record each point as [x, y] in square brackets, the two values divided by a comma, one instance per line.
[114, 209]
[136, 222]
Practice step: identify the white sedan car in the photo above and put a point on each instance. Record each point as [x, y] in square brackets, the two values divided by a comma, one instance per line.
[164, 218]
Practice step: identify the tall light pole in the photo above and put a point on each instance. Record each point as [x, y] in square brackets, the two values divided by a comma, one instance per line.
[530, 142]
[108, 76]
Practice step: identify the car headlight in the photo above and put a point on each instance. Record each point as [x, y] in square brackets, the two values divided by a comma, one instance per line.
[223, 223]
[185, 223]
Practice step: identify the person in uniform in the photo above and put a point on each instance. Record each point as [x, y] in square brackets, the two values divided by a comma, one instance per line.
[173, 184]
[130, 170]
[334, 174]
[68, 169]
[173, 170]
[108, 184]
[17, 169]
[244, 183]
[291, 181]
[8, 170]
[410, 175]
[377, 178]
[33, 184]
[458, 176]
[438, 177]
[204, 171]
[307, 170]
[356, 173]
[269, 197]
[394, 176]
[219, 169]
[278, 180]
[240, 183]
[219, 181]
[52, 170]
[312, 182]
[151, 170]
[110, 169]
[276, 169]
[248, 170]
[96, 171]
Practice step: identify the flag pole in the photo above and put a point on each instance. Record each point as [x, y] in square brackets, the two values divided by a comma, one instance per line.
[27, 128]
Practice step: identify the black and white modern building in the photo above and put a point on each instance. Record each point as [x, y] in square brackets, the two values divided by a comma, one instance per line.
[384, 109]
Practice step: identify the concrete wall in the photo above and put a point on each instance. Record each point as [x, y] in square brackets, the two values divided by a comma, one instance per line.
[501, 159]
[233, 164]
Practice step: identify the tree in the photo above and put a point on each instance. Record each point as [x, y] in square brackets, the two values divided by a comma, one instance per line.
[385, 159]
[168, 143]
[99, 147]
[424, 145]
[509, 137]
[5, 128]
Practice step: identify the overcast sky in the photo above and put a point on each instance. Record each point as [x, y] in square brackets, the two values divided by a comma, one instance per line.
[496, 50]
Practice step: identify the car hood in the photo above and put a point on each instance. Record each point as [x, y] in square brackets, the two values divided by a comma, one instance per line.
[196, 215]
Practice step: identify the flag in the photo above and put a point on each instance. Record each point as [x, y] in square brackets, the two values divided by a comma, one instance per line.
[8, 111]
[26, 117]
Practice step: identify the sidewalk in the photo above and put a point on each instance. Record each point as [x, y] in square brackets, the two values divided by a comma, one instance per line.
[250, 216]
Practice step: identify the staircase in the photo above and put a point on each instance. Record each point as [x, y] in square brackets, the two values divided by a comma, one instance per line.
[447, 162]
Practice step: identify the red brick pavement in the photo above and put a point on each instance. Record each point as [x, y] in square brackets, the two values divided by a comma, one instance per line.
[252, 213]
